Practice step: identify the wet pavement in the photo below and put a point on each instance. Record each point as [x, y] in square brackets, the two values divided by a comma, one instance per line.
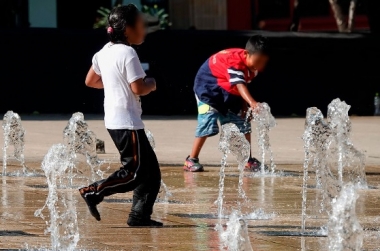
[190, 214]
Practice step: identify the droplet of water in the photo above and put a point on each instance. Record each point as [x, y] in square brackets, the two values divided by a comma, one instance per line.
[150, 137]
[329, 151]
[264, 123]
[80, 139]
[62, 223]
[14, 135]
[164, 190]
[344, 230]
[344, 155]
[232, 141]
[235, 236]
[315, 144]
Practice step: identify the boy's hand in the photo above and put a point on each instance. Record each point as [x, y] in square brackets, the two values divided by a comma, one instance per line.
[244, 92]
[253, 105]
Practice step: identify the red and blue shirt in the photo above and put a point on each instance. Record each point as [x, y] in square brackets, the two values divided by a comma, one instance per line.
[216, 80]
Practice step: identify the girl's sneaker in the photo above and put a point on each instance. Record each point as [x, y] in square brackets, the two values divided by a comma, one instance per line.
[91, 201]
[254, 165]
[144, 223]
[192, 165]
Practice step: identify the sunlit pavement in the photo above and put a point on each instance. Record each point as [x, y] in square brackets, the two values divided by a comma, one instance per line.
[174, 137]
[189, 216]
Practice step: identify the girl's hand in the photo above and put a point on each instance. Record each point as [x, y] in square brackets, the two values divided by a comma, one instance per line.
[142, 87]
[152, 83]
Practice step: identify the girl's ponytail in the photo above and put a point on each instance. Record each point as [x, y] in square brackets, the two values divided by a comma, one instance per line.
[118, 20]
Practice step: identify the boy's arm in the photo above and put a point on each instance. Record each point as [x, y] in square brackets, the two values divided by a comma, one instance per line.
[143, 87]
[94, 80]
[244, 92]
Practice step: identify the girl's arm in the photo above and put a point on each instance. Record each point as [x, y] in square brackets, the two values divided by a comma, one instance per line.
[142, 87]
[94, 80]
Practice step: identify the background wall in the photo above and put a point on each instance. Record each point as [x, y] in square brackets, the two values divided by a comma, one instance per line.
[44, 70]
[199, 14]
[43, 13]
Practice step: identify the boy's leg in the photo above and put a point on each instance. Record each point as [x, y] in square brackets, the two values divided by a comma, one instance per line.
[248, 137]
[207, 127]
[126, 179]
[197, 146]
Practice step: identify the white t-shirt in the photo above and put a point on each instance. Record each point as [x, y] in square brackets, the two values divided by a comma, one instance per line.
[119, 65]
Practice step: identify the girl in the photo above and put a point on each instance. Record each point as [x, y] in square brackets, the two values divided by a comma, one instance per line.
[117, 69]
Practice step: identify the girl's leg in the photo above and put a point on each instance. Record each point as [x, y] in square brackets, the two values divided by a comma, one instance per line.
[132, 172]
[145, 194]
[126, 179]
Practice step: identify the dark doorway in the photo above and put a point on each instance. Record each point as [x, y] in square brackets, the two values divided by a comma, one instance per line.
[75, 14]
[14, 13]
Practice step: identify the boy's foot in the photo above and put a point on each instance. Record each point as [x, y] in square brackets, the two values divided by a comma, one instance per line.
[192, 165]
[144, 223]
[89, 198]
[254, 165]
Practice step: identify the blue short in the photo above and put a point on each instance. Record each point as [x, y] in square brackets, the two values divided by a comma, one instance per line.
[208, 121]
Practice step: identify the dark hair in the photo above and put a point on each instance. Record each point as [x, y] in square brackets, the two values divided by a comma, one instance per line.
[119, 19]
[257, 44]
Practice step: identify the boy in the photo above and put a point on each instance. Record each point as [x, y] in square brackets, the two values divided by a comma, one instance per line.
[222, 94]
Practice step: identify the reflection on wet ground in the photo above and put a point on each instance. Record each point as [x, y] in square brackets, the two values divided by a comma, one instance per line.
[189, 215]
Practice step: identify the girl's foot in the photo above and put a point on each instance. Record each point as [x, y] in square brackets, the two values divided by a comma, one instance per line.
[91, 201]
[143, 223]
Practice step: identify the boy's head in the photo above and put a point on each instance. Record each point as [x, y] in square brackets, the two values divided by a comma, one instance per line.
[256, 53]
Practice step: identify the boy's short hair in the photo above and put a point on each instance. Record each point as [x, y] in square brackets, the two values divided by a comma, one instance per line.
[257, 44]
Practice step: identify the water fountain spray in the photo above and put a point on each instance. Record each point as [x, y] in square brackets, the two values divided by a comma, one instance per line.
[235, 237]
[164, 187]
[232, 141]
[14, 135]
[80, 139]
[62, 224]
[344, 230]
[330, 153]
[349, 160]
[316, 142]
[264, 123]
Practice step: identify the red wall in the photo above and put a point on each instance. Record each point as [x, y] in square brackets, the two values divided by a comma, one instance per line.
[239, 16]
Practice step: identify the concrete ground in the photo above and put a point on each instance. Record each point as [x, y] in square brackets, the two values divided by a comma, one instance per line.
[174, 138]
[274, 205]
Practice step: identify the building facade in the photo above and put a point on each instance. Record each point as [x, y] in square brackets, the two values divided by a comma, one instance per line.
[275, 15]
[53, 13]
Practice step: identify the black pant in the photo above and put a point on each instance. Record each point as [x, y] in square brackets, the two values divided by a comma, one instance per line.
[140, 172]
